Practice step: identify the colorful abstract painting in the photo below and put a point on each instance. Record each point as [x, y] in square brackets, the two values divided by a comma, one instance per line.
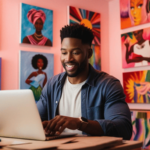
[35, 69]
[88, 18]
[137, 86]
[0, 71]
[36, 25]
[141, 127]
[134, 12]
[136, 48]
[95, 60]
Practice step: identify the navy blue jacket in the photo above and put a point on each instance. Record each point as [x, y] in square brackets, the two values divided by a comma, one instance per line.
[102, 99]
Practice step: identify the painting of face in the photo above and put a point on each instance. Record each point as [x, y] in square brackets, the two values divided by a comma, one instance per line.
[134, 12]
[136, 48]
[141, 127]
[137, 86]
[40, 63]
[35, 70]
[36, 25]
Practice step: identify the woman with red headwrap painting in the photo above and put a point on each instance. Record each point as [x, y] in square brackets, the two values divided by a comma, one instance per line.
[37, 18]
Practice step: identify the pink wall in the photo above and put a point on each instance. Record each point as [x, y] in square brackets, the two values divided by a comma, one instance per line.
[10, 30]
[115, 46]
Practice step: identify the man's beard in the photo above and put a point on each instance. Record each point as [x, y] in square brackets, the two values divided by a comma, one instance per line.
[81, 67]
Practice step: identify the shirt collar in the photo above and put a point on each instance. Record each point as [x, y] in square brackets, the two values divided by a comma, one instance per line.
[90, 80]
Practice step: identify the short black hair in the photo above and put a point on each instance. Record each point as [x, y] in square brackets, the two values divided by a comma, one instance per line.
[35, 59]
[77, 31]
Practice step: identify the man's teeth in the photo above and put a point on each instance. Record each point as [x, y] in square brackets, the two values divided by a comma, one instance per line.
[70, 66]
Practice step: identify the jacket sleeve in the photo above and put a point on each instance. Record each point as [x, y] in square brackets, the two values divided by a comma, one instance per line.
[117, 117]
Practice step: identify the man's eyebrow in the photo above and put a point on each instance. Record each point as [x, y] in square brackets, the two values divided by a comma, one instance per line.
[77, 48]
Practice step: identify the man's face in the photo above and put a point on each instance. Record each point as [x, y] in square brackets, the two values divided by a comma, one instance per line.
[74, 56]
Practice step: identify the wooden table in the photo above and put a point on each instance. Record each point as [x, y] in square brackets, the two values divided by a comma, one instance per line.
[86, 143]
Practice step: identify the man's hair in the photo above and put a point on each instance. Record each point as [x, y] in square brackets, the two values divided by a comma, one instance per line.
[77, 31]
[35, 59]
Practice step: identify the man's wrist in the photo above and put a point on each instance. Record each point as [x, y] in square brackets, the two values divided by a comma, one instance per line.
[83, 123]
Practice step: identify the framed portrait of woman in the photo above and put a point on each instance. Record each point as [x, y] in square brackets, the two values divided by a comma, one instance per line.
[137, 86]
[136, 48]
[35, 69]
[134, 12]
[36, 25]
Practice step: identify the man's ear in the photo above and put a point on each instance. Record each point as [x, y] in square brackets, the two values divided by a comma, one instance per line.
[90, 52]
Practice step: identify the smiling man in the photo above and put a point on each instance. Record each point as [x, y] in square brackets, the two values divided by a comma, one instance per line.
[83, 100]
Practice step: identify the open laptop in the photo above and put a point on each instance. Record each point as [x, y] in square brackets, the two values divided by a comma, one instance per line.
[19, 116]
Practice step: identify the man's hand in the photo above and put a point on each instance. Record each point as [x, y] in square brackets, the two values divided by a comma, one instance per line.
[59, 123]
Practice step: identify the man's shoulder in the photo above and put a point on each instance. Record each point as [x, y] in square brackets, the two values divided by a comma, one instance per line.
[56, 78]
[105, 76]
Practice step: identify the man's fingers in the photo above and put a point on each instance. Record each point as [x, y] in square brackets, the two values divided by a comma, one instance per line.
[44, 123]
[58, 125]
[63, 127]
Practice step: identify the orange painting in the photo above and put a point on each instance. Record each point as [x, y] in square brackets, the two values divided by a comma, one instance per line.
[134, 12]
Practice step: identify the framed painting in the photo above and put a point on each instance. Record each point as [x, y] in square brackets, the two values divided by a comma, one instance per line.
[35, 69]
[141, 127]
[137, 86]
[135, 47]
[95, 60]
[36, 25]
[134, 12]
[88, 18]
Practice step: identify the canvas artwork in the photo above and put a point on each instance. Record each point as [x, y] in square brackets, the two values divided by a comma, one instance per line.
[95, 60]
[36, 25]
[141, 127]
[134, 12]
[0, 72]
[35, 69]
[136, 48]
[137, 86]
[88, 18]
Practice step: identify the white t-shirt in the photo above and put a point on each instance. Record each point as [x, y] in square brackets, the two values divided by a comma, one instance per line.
[70, 102]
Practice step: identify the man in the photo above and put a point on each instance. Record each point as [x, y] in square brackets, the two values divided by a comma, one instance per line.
[83, 100]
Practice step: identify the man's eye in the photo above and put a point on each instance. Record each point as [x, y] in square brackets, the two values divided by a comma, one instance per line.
[76, 53]
[131, 8]
[64, 53]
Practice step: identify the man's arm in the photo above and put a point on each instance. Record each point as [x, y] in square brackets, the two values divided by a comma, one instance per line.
[117, 117]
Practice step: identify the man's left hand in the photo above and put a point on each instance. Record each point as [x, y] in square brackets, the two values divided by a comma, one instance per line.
[59, 123]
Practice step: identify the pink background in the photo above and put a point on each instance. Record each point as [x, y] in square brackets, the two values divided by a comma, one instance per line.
[110, 37]
[10, 32]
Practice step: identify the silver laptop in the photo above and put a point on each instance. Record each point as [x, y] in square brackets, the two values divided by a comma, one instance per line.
[19, 116]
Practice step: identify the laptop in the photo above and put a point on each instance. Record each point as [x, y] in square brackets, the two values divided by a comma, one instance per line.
[19, 116]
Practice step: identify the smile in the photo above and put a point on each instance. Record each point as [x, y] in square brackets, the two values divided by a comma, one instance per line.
[70, 67]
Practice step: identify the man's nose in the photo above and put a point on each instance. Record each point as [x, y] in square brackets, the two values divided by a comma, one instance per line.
[69, 57]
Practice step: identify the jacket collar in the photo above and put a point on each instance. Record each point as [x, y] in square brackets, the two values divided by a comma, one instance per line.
[93, 73]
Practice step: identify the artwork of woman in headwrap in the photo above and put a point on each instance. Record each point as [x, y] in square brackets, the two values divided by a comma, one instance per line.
[134, 12]
[36, 69]
[33, 24]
